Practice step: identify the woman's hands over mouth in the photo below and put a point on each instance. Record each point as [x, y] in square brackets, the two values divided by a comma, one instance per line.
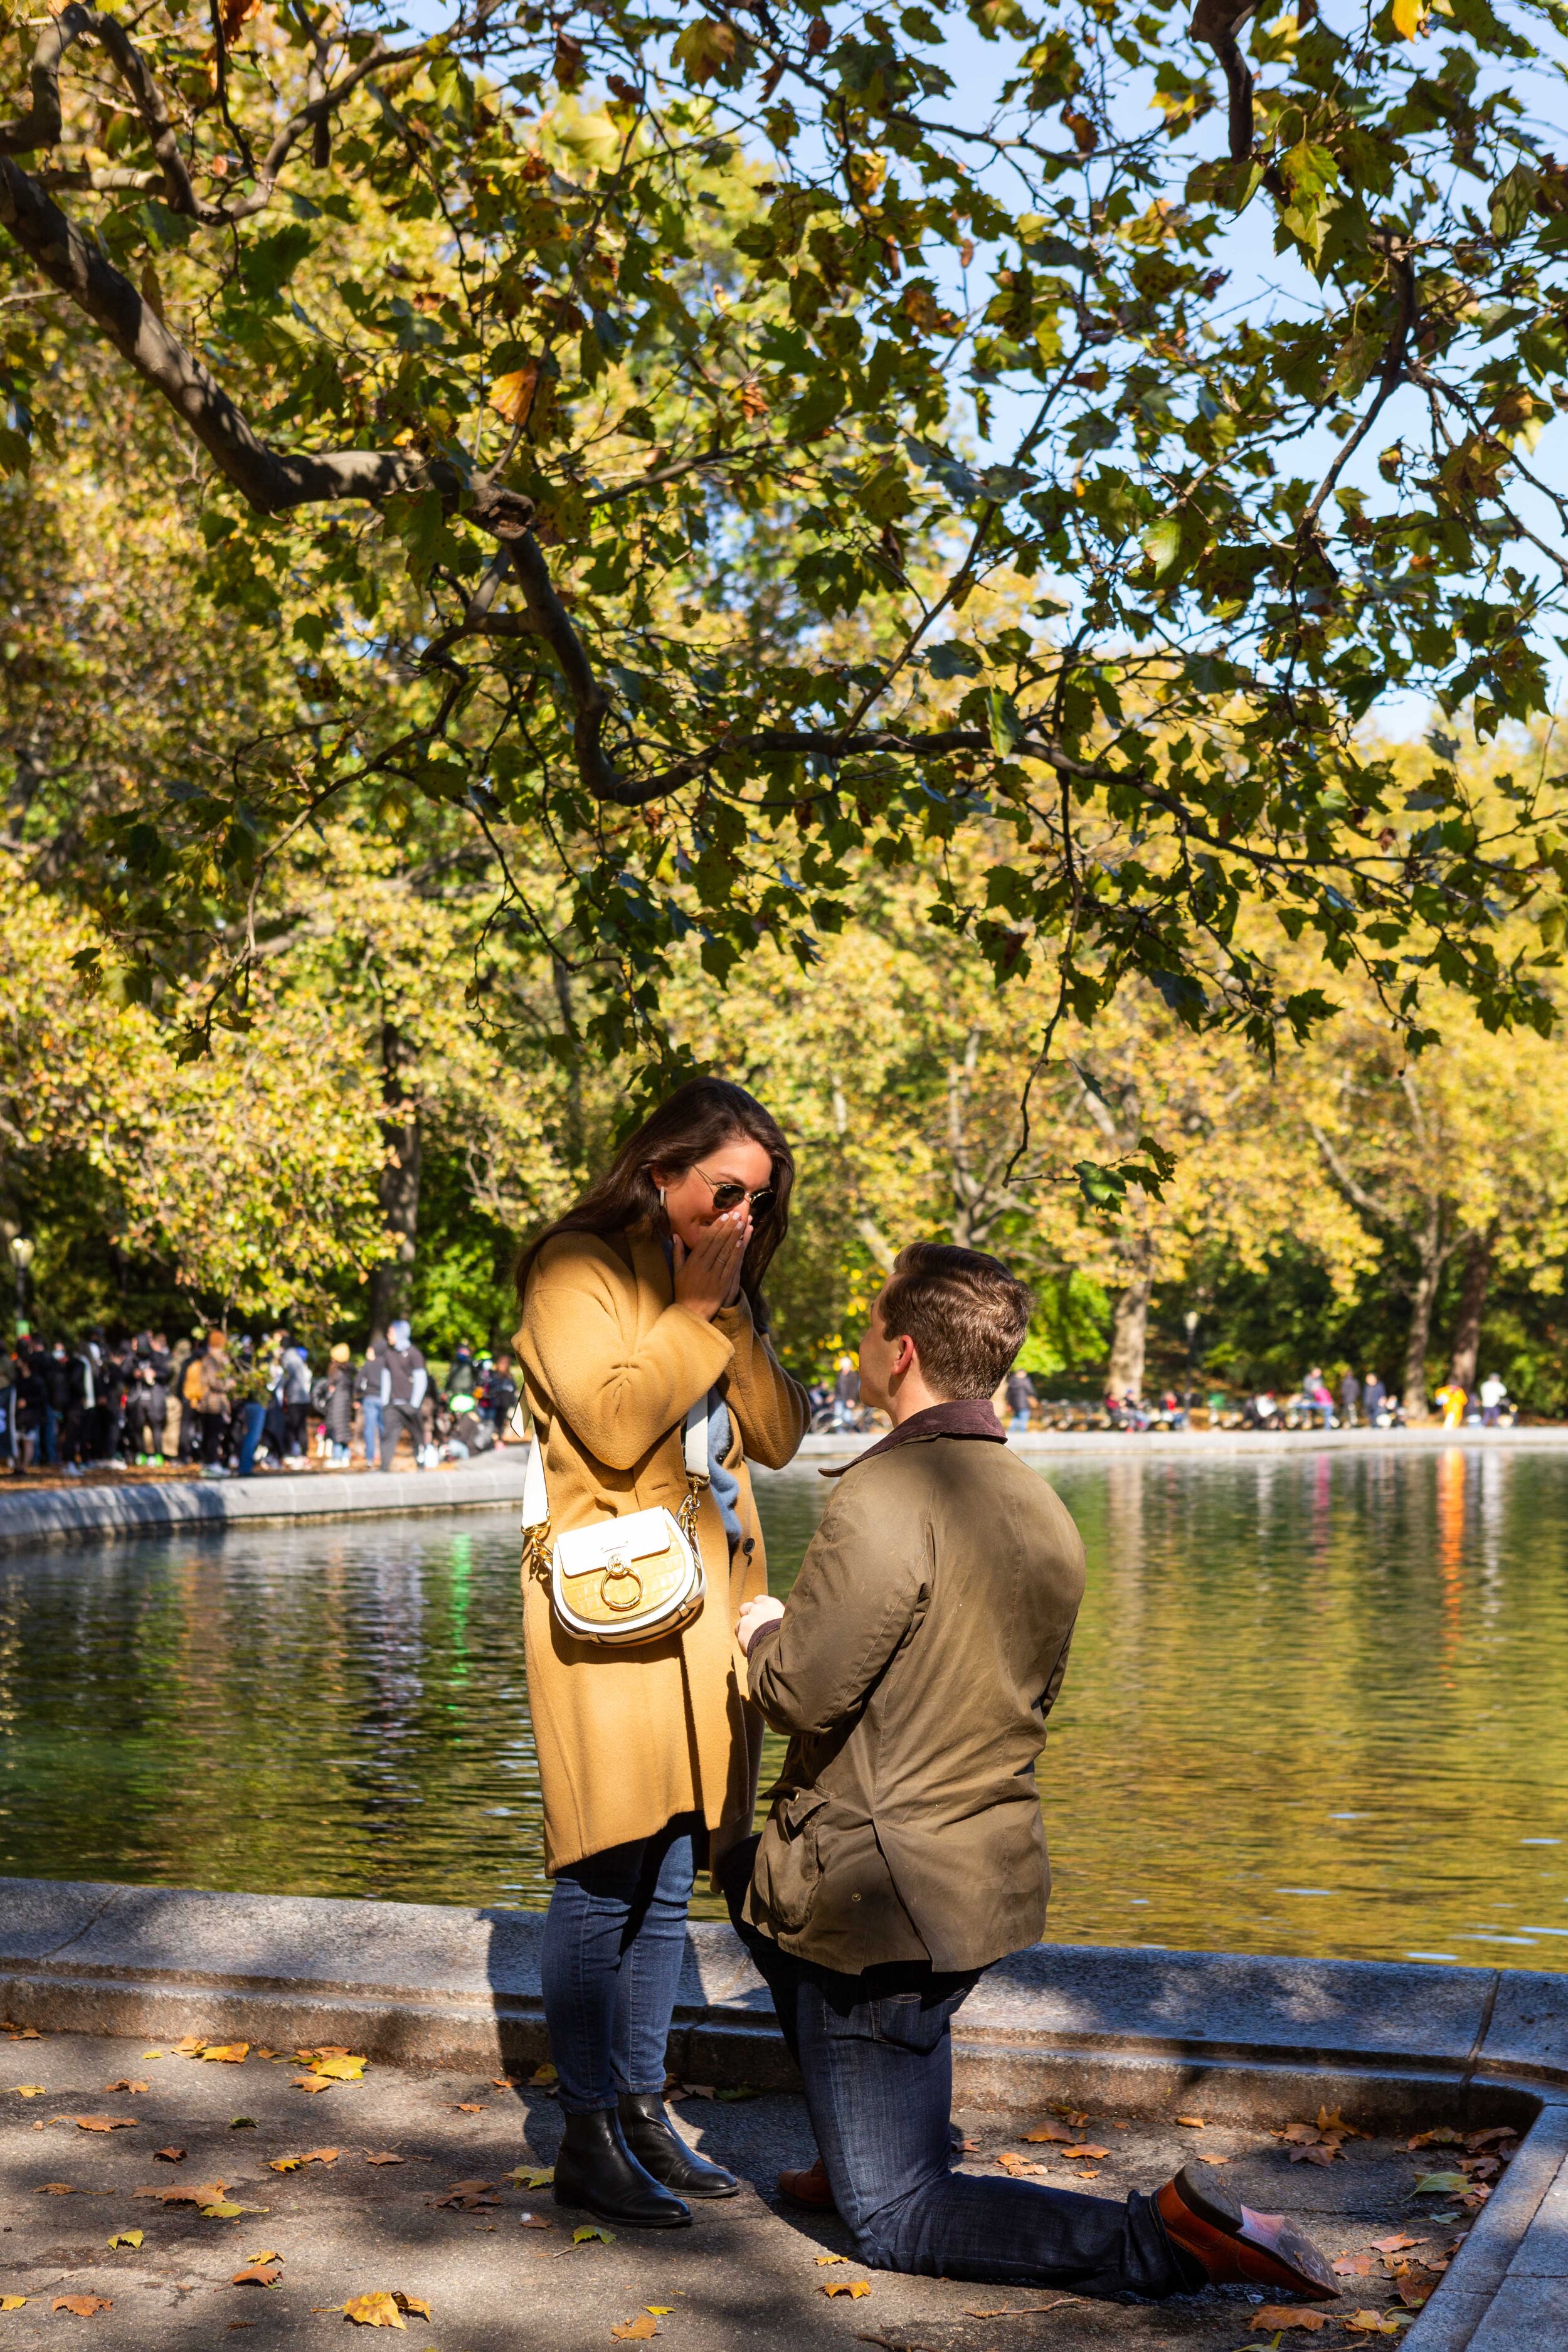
[707, 1275]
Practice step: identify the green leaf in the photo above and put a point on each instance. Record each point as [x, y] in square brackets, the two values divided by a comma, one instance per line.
[589, 2230]
[1513, 201]
[1007, 727]
[1441, 2184]
[1162, 544]
[267, 265]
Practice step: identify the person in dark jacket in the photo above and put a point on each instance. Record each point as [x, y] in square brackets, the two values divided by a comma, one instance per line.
[912, 1669]
[339, 1405]
[403, 1381]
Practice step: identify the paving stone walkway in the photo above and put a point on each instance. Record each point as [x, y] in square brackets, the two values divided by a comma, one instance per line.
[505, 2273]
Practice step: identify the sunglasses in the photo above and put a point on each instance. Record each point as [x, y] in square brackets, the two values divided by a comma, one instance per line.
[730, 1195]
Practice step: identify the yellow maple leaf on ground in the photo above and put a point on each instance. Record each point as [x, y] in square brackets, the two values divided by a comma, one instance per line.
[854, 2287]
[377, 2310]
[230, 2054]
[636, 2330]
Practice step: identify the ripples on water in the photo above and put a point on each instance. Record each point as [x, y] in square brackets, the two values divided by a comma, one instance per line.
[1315, 1705]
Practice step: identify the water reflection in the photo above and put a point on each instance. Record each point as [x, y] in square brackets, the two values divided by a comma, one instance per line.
[1315, 1705]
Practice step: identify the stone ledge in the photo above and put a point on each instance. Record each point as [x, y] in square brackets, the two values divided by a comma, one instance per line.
[1246, 2037]
[89, 1514]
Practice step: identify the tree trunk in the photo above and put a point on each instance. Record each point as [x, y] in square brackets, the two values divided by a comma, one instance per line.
[1472, 1306]
[1423, 1299]
[574, 1126]
[398, 1189]
[1129, 1339]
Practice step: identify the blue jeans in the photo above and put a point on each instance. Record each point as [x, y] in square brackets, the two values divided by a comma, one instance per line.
[877, 2056]
[614, 1939]
[370, 1407]
[254, 1419]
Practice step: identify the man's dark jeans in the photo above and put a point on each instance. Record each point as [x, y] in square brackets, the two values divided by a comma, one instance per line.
[877, 2056]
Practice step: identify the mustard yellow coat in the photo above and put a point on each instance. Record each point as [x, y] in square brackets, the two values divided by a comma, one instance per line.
[629, 1739]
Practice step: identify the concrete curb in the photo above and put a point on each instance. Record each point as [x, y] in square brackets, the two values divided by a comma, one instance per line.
[1229, 1444]
[89, 1514]
[1251, 2039]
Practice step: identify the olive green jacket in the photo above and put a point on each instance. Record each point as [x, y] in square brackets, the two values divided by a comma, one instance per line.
[919, 1656]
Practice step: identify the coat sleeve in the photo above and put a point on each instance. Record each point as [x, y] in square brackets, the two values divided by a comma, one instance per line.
[774, 1411]
[862, 1587]
[619, 1396]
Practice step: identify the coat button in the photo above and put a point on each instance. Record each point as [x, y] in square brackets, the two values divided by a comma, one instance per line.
[853, 1898]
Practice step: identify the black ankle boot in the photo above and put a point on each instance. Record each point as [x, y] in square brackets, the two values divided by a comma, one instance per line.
[660, 2150]
[593, 2167]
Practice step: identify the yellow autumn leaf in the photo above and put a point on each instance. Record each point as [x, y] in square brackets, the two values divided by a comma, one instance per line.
[29, 2090]
[636, 2330]
[377, 2310]
[228, 2054]
[854, 2288]
[1407, 16]
[511, 397]
[12, 2302]
[823, 2260]
[125, 2238]
[338, 2070]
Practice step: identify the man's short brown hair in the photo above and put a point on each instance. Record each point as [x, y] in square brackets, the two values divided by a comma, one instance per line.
[966, 1314]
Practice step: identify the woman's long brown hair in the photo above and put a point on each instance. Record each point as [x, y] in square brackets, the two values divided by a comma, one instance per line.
[695, 1120]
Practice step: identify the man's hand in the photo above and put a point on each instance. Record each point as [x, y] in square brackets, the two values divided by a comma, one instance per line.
[765, 1611]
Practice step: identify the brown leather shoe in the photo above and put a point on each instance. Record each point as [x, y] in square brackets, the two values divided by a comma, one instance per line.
[810, 2188]
[1236, 2246]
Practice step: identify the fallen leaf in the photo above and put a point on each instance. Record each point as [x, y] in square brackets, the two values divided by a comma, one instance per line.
[343, 2069]
[1193, 2122]
[102, 2122]
[12, 2302]
[1275, 2316]
[383, 2155]
[580, 2237]
[1493, 2139]
[259, 2275]
[854, 2288]
[1356, 2266]
[171, 2155]
[190, 2044]
[225, 2210]
[1414, 2293]
[659, 2310]
[125, 2238]
[242, 2123]
[28, 2033]
[732, 2093]
[546, 2074]
[1440, 2184]
[150, 2054]
[535, 2221]
[29, 2090]
[1331, 2120]
[1303, 2134]
[310, 2083]
[410, 2303]
[202, 2192]
[504, 2082]
[268, 2255]
[1051, 2132]
[228, 2054]
[84, 2305]
[1324, 2153]
[1443, 2138]
[1394, 2245]
[111, 2087]
[1018, 2166]
[1371, 2323]
[376, 2310]
[823, 2260]
[531, 2175]
[262, 2051]
[56, 2189]
[467, 2194]
[636, 2330]
[469, 2107]
[1083, 2148]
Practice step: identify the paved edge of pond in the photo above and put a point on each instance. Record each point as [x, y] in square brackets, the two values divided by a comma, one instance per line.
[1226, 1444]
[1148, 2030]
[91, 1514]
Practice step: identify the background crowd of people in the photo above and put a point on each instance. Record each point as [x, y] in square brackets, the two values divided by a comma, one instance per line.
[234, 1403]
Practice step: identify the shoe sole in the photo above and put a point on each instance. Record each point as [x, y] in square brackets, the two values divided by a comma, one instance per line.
[1285, 2258]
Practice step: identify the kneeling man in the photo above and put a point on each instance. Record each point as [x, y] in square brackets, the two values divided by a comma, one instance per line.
[913, 1669]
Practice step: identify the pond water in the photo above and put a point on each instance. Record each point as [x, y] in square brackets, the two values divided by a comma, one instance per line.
[1316, 1704]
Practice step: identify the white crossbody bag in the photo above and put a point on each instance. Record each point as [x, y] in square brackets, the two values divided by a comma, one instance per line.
[635, 1578]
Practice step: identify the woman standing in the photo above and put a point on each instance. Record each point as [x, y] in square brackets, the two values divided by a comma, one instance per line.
[642, 1300]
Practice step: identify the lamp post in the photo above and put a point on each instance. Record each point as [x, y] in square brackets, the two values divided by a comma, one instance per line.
[22, 1258]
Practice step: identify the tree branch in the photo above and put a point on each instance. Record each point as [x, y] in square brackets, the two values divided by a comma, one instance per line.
[1216, 23]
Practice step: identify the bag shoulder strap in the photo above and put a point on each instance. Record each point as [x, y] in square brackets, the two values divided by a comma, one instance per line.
[536, 1497]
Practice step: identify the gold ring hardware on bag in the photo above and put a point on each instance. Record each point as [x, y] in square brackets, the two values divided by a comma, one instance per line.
[619, 1572]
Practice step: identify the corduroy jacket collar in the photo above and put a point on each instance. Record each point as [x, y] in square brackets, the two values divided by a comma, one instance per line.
[961, 1417]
